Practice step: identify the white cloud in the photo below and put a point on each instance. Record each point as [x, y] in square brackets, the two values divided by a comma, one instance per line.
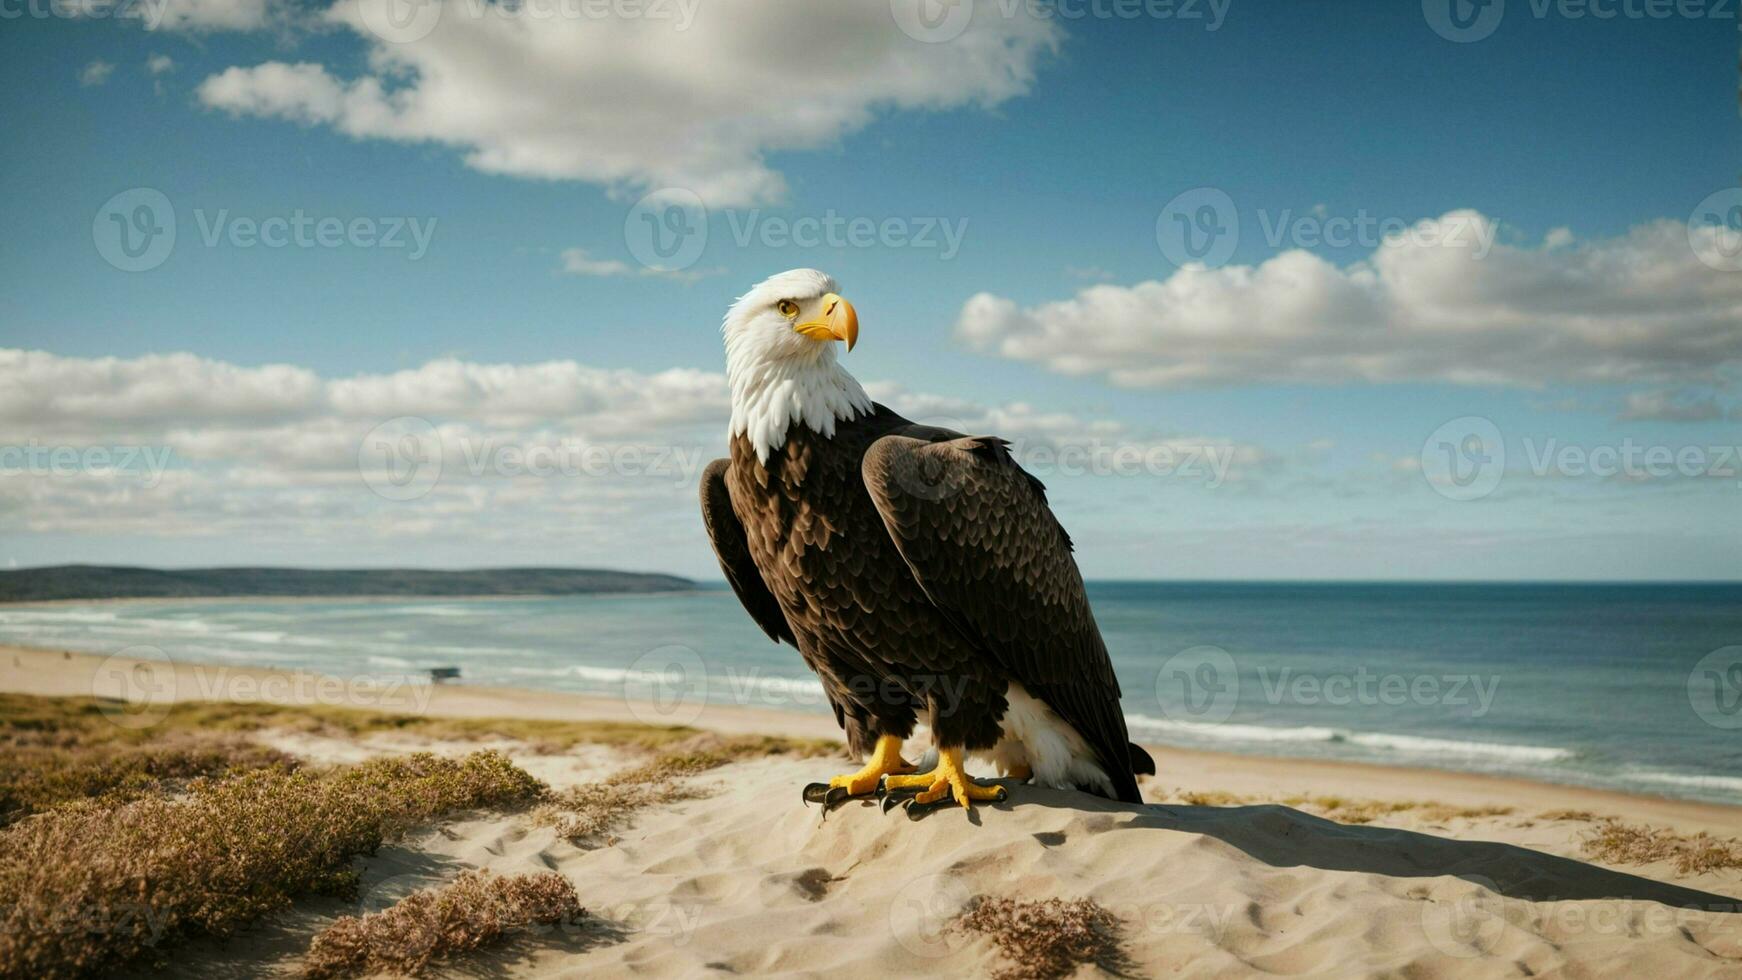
[576, 262]
[160, 64]
[1640, 308]
[579, 262]
[1672, 406]
[45, 389]
[96, 73]
[530, 453]
[634, 103]
[1063, 443]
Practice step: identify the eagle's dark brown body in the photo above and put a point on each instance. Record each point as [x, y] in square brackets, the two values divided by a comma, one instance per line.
[918, 572]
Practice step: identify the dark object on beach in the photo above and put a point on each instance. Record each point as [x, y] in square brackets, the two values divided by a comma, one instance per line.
[121, 582]
[439, 674]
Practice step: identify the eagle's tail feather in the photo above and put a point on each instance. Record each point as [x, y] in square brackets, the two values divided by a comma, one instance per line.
[1141, 763]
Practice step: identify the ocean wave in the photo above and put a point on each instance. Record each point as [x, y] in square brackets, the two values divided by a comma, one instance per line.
[55, 616]
[1231, 732]
[1424, 745]
[375, 660]
[478, 609]
[732, 686]
[1731, 784]
[1384, 741]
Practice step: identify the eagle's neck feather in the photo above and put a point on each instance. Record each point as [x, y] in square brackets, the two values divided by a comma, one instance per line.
[769, 397]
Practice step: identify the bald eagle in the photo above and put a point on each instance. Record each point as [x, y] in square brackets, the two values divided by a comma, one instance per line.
[917, 570]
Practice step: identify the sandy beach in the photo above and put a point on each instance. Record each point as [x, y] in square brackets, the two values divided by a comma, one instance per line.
[1236, 866]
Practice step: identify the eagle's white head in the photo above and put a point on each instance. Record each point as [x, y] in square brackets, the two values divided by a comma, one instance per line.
[780, 359]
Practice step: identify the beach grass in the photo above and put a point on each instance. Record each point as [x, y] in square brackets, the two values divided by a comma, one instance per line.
[36, 778]
[433, 925]
[87, 886]
[1344, 809]
[120, 839]
[1618, 842]
[53, 721]
[591, 810]
[1046, 940]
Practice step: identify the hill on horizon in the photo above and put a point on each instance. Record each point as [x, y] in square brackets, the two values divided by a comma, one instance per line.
[125, 582]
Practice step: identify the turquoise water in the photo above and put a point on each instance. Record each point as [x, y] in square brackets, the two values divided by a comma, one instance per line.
[1628, 687]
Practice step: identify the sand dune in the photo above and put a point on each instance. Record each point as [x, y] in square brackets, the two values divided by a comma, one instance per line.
[745, 880]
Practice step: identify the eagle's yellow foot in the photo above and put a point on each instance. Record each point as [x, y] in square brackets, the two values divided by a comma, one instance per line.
[885, 760]
[949, 781]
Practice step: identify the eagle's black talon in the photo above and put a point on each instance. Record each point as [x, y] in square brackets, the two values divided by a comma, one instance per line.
[836, 797]
[891, 801]
[916, 809]
[816, 793]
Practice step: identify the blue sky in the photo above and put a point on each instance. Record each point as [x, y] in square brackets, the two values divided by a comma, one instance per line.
[1054, 152]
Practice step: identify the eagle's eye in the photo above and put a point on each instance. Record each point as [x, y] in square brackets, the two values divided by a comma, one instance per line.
[787, 308]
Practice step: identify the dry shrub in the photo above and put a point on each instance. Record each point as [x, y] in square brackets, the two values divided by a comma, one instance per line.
[33, 779]
[1622, 843]
[474, 910]
[1366, 811]
[592, 809]
[87, 886]
[1579, 815]
[1343, 810]
[1046, 940]
[64, 722]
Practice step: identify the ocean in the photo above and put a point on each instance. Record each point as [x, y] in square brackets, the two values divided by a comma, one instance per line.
[1631, 687]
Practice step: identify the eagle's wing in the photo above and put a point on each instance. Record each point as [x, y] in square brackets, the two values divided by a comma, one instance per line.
[731, 547]
[976, 531]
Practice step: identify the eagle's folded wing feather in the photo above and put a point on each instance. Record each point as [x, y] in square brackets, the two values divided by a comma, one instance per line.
[733, 551]
[976, 531]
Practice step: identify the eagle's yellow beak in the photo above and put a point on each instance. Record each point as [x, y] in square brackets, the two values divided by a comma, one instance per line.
[838, 322]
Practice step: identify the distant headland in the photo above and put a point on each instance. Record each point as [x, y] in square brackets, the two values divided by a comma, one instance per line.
[123, 582]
